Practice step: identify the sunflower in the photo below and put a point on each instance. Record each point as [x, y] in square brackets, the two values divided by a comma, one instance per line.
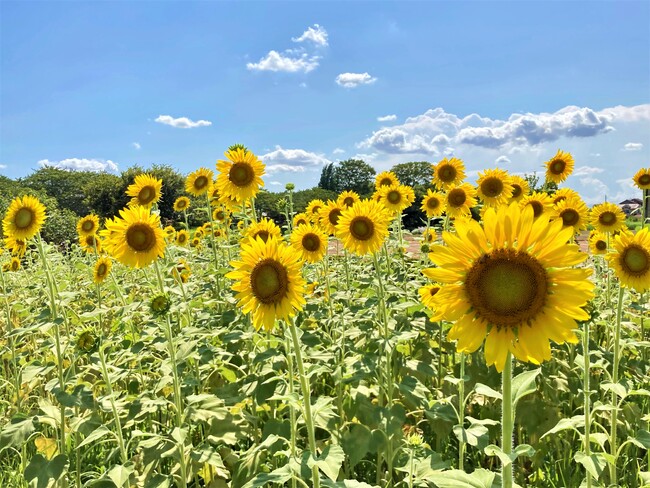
[12, 265]
[102, 269]
[385, 178]
[182, 238]
[520, 188]
[18, 247]
[563, 194]
[427, 297]
[220, 214]
[198, 182]
[396, 198]
[181, 204]
[182, 271]
[433, 203]
[24, 218]
[196, 242]
[313, 209]
[310, 242]
[91, 243]
[459, 200]
[138, 240]
[631, 259]
[268, 281]
[494, 187]
[598, 242]
[513, 281]
[642, 179]
[263, 229]
[559, 167]
[198, 233]
[573, 212]
[363, 227]
[329, 216]
[300, 219]
[240, 176]
[88, 225]
[145, 191]
[348, 198]
[429, 236]
[607, 217]
[539, 201]
[219, 233]
[170, 233]
[448, 173]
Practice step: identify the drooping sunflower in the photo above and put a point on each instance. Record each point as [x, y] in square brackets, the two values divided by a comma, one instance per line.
[363, 227]
[573, 213]
[102, 269]
[539, 201]
[598, 242]
[91, 243]
[181, 204]
[427, 297]
[264, 229]
[348, 198]
[17, 247]
[494, 187]
[313, 209]
[300, 219]
[459, 200]
[513, 281]
[138, 239]
[268, 281]
[607, 217]
[310, 241]
[642, 179]
[241, 176]
[88, 225]
[329, 216]
[559, 167]
[520, 188]
[182, 238]
[396, 198]
[563, 194]
[24, 218]
[144, 191]
[448, 173]
[631, 259]
[198, 182]
[385, 178]
[433, 203]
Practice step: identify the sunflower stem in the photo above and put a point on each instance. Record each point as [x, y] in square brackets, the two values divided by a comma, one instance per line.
[292, 411]
[617, 353]
[17, 373]
[306, 396]
[116, 417]
[507, 421]
[585, 388]
[213, 245]
[461, 411]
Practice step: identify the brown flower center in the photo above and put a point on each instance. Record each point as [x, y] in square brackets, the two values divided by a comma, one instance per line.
[311, 242]
[644, 179]
[570, 217]
[88, 226]
[456, 197]
[433, 203]
[262, 234]
[557, 166]
[538, 208]
[201, 182]
[101, 270]
[362, 228]
[386, 182]
[601, 245]
[241, 174]
[516, 190]
[492, 187]
[394, 197]
[635, 260]
[140, 237]
[269, 281]
[348, 201]
[607, 218]
[334, 215]
[24, 218]
[146, 195]
[447, 173]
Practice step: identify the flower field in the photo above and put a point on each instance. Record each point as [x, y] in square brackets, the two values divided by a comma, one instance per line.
[323, 353]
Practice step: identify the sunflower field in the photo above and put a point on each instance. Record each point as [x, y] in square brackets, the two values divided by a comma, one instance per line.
[505, 344]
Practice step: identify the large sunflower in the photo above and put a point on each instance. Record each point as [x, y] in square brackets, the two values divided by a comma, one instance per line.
[520, 188]
[396, 198]
[363, 227]
[448, 173]
[329, 216]
[559, 167]
[631, 261]
[24, 218]
[198, 182]
[145, 191]
[598, 242]
[347, 198]
[494, 187]
[263, 229]
[607, 217]
[511, 280]
[385, 178]
[642, 179]
[268, 281]
[240, 176]
[459, 200]
[88, 225]
[573, 212]
[433, 204]
[102, 269]
[539, 201]
[310, 242]
[181, 204]
[138, 239]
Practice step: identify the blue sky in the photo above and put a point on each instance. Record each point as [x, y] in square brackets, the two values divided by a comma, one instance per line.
[106, 85]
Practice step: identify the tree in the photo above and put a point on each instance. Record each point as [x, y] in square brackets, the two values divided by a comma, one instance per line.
[64, 185]
[327, 178]
[355, 175]
[416, 173]
[103, 195]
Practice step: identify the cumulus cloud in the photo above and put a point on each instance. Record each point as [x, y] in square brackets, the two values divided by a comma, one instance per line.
[587, 170]
[181, 122]
[502, 160]
[338, 150]
[292, 160]
[633, 146]
[353, 80]
[287, 168]
[316, 34]
[275, 183]
[136, 145]
[387, 118]
[289, 62]
[3, 166]
[81, 164]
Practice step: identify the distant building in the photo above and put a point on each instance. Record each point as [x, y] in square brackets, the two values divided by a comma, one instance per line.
[631, 206]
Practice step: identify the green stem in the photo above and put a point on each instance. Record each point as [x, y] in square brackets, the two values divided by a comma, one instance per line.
[16, 373]
[617, 353]
[461, 411]
[213, 245]
[292, 411]
[585, 387]
[116, 417]
[507, 421]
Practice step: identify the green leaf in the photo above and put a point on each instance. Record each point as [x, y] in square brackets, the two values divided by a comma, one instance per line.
[280, 475]
[356, 443]
[642, 439]
[40, 472]
[16, 433]
[95, 435]
[485, 390]
[524, 384]
[331, 460]
[525, 450]
[346, 484]
[566, 424]
[471, 435]
[618, 389]
[455, 478]
[594, 463]
[120, 474]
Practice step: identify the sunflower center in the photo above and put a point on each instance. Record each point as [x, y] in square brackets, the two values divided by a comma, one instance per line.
[538, 208]
[348, 201]
[334, 215]
[182, 204]
[601, 245]
[557, 166]
[269, 281]
[315, 209]
[362, 228]
[140, 237]
[430, 237]
[90, 241]
[635, 260]
[516, 190]
[88, 225]
[492, 187]
[101, 270]
[507, 287]
[433, 203]
[182, 238]
[220, 215]
[607, 218]
[570, 217]
[447, 173]
[301, 222]
[15, 264]
[24, 218]
[386, 182]
[241, 174]
[433, 290]
[201, 182]
[311, 242]
[394, 197]
[262, 234]
[457, 197]
[146, 195]
[644, 179]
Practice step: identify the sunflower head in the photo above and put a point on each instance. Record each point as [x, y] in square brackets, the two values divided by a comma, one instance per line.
[91, 243]
[301, 219]
[459, 200]
[310, 242]
[102, 269]
[396, 198]
[24, 218]
[12, 265]
[433, 203]
[198, 182]
[385, 178]
[329, 215]
[17, 247]
[313, 209]
[363, 227]
[182, 238]
[573, 213]
[348, 198]
[181, 272]
[631, 259]
[240, 176]
[448, 173]
[86, 341]
[598, 242]
[427, 297]
[539, 201]
[145, 191]
[220, 214]
[138, 239]
[264, 229]
[559, 167]
[642, 179]
[88, 225]
[181, 204]
[563, 194]
[607, 217]
[494, 187]
[160, 305]
[520, 188]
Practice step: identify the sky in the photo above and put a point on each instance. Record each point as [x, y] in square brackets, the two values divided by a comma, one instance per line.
[106, 85]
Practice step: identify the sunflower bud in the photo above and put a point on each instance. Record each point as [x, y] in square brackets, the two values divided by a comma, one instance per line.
[160, 305]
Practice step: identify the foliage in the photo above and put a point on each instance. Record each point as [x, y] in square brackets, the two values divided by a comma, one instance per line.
[351, 174]
[414, 174]
[67, 187]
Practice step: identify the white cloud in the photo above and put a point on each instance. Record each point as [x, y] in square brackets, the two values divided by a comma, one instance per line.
[287, 168]
[181, 122]
[303, 85]
[274, 61]
[81, 164]
[275, 183]
[136, 145]
[3, 166]
[502, 160]
[292, 160]
[587, 170]
[338, 150]
[387, 118]
[315, 34]
[633, 146]
[352, 80]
